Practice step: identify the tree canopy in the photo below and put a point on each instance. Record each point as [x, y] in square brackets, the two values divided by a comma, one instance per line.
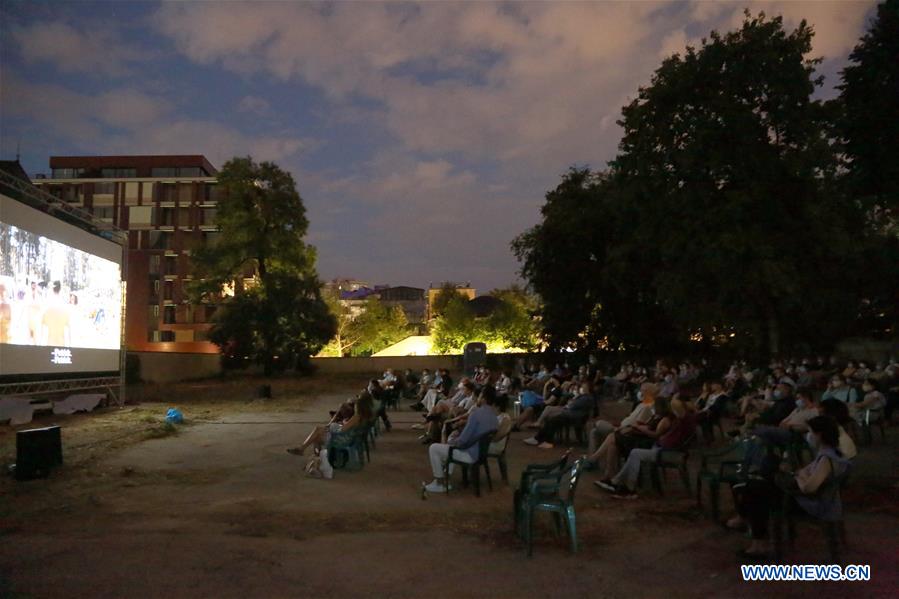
[376, 327]
[720, 220]
[276, 316]
[509, 324]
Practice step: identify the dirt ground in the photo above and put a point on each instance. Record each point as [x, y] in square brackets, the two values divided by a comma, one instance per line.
[217, 508]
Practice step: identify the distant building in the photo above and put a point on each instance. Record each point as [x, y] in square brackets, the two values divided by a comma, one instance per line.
[465, 290]
[410, 299]
[168, 206]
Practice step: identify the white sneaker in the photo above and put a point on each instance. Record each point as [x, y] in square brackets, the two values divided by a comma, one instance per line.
[532, 441]
[435, 487]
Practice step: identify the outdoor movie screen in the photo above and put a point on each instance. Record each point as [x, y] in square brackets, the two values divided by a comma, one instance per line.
[60, 295]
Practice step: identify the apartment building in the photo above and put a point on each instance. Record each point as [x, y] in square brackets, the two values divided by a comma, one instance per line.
[168, 206]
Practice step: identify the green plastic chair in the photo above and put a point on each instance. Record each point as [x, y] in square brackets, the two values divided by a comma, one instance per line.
[544, 495]
[347, 449]
[483, 442]
[531, 472]
[672, 459]
[721, 466]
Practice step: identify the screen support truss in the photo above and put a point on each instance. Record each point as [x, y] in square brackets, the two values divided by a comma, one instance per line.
[62, 385]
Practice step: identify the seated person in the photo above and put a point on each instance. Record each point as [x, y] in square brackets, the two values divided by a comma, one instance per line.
[576, 410]
[808, 488]
[424, 383]
[481, 420]
[873, 400]
[838, 411]
[837, 388]
[531, 404]
[625, 439]
[388, 380]
[361, 415]
[481, 376]
[503, 424]
[668, 387]
[379, 397]
[681, 426]
[641, 414]
[796, 422]
[774, 406]
[461, 402]
[710, 405]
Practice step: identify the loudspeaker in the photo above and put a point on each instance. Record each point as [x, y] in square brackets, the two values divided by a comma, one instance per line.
[38, 450]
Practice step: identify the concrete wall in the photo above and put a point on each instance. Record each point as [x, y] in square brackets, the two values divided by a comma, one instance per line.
[371, 364]
[169, 367]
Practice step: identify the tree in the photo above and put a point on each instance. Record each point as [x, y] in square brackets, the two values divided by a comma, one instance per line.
[276, 316]
[869, 112]
[510, 324]
[867, 121]
[446, 294]
[377, 327]
[346, 335]
[709, 224]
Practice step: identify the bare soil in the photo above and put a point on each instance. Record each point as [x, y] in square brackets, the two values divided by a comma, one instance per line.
[217, 508]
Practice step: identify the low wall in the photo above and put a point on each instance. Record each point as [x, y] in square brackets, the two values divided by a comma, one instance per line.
[380, 364]
[170, 367]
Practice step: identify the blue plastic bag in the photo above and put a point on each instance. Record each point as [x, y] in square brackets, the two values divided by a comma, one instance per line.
[174, 416]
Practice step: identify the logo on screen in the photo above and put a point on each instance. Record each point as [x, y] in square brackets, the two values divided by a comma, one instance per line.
[61, 356]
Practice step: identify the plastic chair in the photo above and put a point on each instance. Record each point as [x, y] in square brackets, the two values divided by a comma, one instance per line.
[834, 530]
[544, 495]
[672, 459]
[500, 457]
[345, 448]
[483, 449]
[723, 466]
[552, 471]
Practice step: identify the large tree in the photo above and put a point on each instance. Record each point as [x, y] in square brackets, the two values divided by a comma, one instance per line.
[276, 315]
[867, 121]
[869, 112]
[719, 219]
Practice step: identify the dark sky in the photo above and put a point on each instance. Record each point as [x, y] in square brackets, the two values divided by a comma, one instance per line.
[422, 136]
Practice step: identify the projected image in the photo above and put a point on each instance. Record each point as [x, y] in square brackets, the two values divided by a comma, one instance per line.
[57, 296]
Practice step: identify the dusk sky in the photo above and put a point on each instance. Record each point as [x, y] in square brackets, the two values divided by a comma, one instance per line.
[422, 137]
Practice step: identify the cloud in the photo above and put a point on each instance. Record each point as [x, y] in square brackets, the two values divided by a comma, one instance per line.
[254, 105]
[93, 48]
[129, 121]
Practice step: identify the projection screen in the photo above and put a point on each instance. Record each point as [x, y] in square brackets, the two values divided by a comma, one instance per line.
[60, 296]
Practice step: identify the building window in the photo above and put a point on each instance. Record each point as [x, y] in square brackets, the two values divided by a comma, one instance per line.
[118, 173]
[210, 194]
[104, 212]
[154, 264]
[104, 188]
[168, 315]
[171, 265]
[163, 171]
[67, 173]
[166, 336]
[160, 240]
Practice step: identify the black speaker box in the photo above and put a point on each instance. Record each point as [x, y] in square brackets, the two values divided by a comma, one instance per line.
[38, 450]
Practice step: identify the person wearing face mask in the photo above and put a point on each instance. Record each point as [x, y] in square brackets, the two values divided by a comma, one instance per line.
[669, 385]
[870, 408]
[814, 489]
[796, 422]
[838, 389]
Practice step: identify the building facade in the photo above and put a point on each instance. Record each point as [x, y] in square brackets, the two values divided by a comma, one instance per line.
[168, 206]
